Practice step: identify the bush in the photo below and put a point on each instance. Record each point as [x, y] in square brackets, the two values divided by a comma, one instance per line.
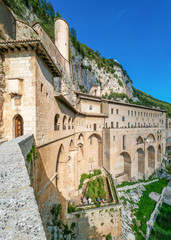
[85, 176]
[109, 237]
[120, 83]
[30, 154]
[96, 189]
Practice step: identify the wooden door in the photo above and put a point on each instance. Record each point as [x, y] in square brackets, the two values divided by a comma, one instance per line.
[18, 126]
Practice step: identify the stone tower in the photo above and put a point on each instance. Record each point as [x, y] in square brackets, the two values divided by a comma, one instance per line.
[62, 37]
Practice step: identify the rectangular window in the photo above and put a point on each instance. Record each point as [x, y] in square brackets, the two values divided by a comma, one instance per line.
[117, 111]
[106, 125]
[111, 124]
[135, 113]
[117, 124]
[95, 127]
[128, 112]
[123, 119]
[113, 138]
[128, 124]
[138, 113]
[132, 113]
[111, 110]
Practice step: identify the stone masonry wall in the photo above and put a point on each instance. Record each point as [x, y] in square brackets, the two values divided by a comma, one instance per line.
[19, 214]
[97, 223]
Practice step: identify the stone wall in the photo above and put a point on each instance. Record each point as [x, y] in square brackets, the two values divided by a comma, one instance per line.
[2, 90]
[20, 66]
[7, 23]
[19, 218]
[97, 223]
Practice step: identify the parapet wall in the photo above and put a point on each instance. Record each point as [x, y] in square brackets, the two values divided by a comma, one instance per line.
[19, 218]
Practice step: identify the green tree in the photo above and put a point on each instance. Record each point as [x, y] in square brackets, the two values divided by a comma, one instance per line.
[58, 15]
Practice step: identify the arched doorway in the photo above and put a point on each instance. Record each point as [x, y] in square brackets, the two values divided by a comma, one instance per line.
[141, 162]
[94, 152]
[123, 165]
[18, 122]
[151, 157]
[159, 154]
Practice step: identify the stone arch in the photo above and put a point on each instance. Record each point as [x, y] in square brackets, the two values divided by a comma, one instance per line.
[141, 162]
[94, 152]
[80, 152]
[140, 140]
[56, 122]
[151, 138]
[151, 157]
[18, 125]
[64, 122]
[123, 165]
[81, 139]
[60, 156]
[159, 154]
[71, 145]
[61, 182]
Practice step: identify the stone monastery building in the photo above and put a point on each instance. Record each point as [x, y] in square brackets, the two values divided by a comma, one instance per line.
[126, 140]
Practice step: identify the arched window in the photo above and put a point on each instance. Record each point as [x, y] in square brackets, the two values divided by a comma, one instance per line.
[64, 123]
[69, 122]
[139, 140]
[151, 138]
[72, 123]
[56, 123]
[18, 121]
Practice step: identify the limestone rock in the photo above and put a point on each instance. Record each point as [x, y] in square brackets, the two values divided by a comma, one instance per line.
[154, 196]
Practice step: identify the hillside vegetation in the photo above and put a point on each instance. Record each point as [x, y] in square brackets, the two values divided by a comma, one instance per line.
[43, 11]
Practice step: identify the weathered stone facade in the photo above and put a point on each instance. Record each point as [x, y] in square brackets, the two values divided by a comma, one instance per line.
[71, 139]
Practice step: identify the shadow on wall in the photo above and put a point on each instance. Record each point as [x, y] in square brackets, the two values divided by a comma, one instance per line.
[46, 192]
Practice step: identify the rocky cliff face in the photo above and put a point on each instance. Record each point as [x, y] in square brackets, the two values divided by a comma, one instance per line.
[85, 73]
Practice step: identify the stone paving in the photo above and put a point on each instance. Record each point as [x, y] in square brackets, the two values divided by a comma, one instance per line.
[19, 215]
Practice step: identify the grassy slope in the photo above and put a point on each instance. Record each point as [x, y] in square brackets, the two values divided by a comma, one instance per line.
[44, 13]
[145, 208]
[162, 227]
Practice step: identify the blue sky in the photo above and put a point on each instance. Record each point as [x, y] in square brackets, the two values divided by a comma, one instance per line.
[137, 33]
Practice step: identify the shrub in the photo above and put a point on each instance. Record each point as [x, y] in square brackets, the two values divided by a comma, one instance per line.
[120, 83]
[85, 176]
[109, 237]
[96, 189]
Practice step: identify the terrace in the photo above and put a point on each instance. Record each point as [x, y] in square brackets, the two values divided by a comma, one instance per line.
[97, 186]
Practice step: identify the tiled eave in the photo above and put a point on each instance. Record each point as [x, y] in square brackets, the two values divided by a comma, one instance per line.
[36, 45]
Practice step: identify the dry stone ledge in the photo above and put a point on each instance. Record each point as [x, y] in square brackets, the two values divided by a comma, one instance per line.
[154, 196]
[19, 214]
